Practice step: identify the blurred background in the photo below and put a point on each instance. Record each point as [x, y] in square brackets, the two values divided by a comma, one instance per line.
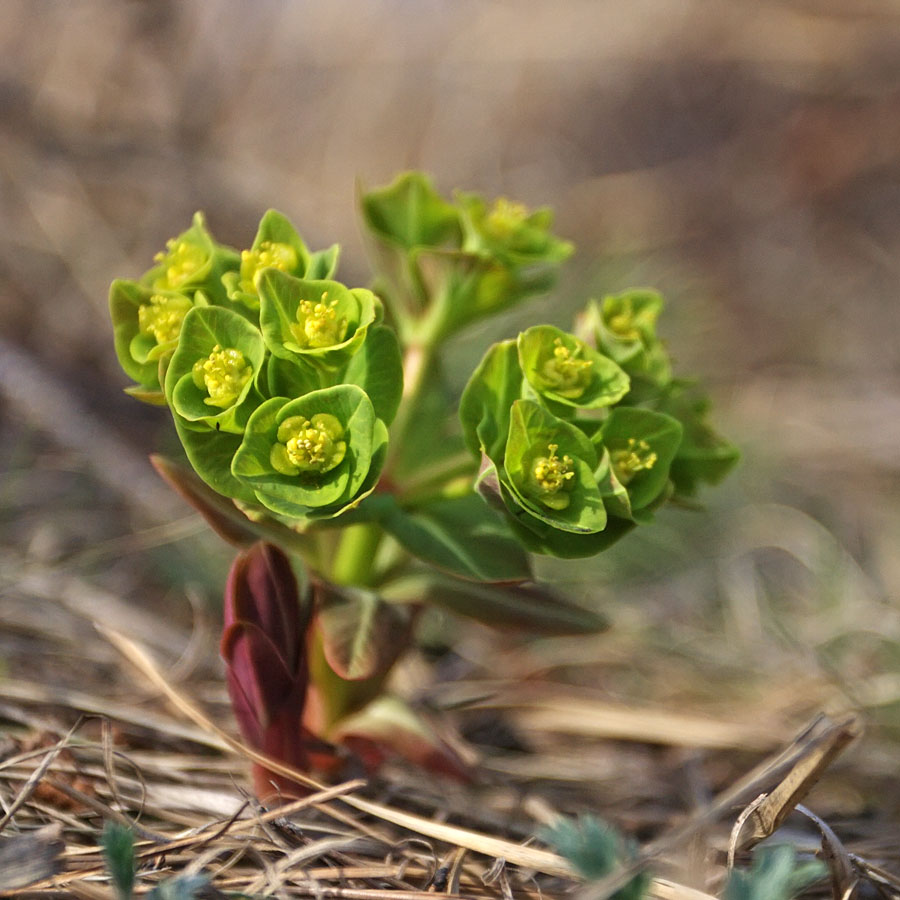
[741, 157]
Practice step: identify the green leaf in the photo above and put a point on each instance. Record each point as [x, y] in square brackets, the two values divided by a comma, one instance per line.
[641, 445]
[774, 875]
[461, 536]
[410, 213]
[224, 353]
[532, 607]
[362, 636]
[567, 496]
[486, 401]
[322, 323]
[564, 370]
[595, 849]
[118, 852]
[377, 367]
[704, 456]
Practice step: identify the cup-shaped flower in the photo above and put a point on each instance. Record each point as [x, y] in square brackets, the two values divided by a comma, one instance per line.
[624, 327]
[209, 382]
[320, 323]
[563, 370]
[277, 245]
[264, 648]
[510, 232]
[146, 325]
[315, 456]
[641, 445]
[548, 469]
[191, 261]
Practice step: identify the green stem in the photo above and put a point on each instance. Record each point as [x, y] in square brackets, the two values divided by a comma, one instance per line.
[354, 560]
[417, 361]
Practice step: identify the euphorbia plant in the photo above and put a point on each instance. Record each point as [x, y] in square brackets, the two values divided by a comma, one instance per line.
[317, 423]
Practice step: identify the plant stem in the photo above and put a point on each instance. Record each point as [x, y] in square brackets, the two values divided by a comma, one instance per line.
[354, 560]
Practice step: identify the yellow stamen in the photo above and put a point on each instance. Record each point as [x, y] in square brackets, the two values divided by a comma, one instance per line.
[635, 457]
[162, 316]
[269, 255]
[551, 474]
[223, 374]
[564, 373]
[504, 218]
[318, 324]
[307, 446]
[181, 262]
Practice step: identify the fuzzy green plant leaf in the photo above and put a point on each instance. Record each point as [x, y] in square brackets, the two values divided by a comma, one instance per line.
[564, 371]
[595, 849]
[321, 323]
[314, 456]
[641, 445]
[548, 469]
[118, 853]
[410, 213]
[210, 381]
[459, 535]
[534, 608]
[774, 875]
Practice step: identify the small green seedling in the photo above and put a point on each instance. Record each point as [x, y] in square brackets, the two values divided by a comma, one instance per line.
[317, 422]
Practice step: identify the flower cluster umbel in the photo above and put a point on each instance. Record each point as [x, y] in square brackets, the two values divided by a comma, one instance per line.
[315, 416]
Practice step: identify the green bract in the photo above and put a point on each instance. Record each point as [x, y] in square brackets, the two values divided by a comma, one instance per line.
[277, 245]
[317, 323]
[564, 370]
[315, 456]
[509, 232]
[146, 324]
[704, 456]
[641, 445]
[209, 382]
[410, 213]
[548, 468]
